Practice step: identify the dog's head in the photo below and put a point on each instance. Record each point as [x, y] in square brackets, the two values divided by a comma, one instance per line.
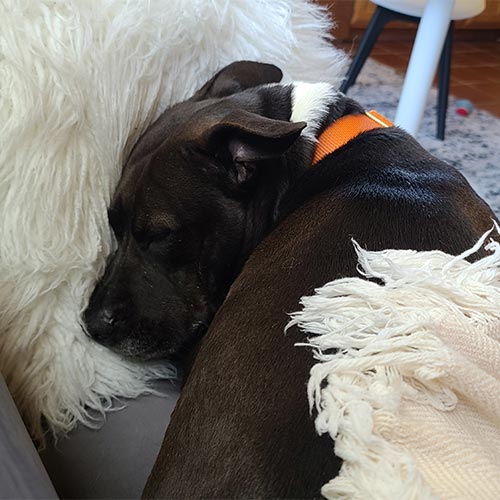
[195, 197]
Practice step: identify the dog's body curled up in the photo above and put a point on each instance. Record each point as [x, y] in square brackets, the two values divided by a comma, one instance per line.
[228, 174]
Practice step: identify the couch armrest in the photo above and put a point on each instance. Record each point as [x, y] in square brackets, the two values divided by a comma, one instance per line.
[22, 474]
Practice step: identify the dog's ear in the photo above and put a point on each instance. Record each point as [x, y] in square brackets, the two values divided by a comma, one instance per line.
[244, 140]
[236, 77]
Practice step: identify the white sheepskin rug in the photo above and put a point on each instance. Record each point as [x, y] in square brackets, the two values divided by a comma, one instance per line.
[80, 80]
[408, 378]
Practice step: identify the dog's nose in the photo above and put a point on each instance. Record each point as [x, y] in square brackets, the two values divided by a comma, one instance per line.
[101, 324]
[107, 317]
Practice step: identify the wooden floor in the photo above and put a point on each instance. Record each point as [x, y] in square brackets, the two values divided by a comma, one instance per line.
[475, 68]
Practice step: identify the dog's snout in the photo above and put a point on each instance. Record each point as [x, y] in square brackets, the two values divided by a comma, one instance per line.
[108, 317]
[101, 324]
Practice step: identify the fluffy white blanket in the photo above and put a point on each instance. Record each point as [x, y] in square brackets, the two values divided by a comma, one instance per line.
[80, 80]
[411, 397]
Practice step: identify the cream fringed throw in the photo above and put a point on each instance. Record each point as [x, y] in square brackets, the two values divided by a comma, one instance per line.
[412, 397]
[80, 80]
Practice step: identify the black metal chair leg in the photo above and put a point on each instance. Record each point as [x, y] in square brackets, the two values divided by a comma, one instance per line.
[444, 83]
[379, 19]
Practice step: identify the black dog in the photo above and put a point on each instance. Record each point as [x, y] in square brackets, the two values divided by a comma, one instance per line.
[206, 183]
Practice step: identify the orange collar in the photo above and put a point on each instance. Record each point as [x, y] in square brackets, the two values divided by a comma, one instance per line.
[346, 128]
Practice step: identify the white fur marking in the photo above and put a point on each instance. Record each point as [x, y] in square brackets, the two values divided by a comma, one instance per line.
[310, 103]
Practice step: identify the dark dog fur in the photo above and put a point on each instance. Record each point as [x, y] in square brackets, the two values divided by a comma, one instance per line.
[203, 187]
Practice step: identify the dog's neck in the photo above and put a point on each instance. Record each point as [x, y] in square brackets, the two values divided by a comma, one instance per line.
[317, 104]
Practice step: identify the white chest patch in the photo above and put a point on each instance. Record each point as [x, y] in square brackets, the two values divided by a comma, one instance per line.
[310, 103]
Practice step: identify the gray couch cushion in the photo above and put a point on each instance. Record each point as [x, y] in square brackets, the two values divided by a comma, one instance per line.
[22, 474]
[115, 460]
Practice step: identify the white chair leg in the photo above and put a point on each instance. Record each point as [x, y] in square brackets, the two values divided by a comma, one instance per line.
[424, 59]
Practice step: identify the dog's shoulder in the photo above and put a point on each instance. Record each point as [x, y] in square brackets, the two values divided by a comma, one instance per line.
[385, 179]
[382, 164]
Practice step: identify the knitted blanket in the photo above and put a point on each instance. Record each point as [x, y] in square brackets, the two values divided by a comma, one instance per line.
[411, 393]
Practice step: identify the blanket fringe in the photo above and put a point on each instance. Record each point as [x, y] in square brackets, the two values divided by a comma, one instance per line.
[375, 347]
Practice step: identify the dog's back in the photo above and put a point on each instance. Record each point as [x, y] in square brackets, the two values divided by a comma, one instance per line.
[242, 426]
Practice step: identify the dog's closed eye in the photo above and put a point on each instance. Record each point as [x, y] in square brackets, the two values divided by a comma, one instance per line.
[147, 239]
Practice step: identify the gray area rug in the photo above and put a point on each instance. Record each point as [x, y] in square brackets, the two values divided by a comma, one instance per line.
[472, 143]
